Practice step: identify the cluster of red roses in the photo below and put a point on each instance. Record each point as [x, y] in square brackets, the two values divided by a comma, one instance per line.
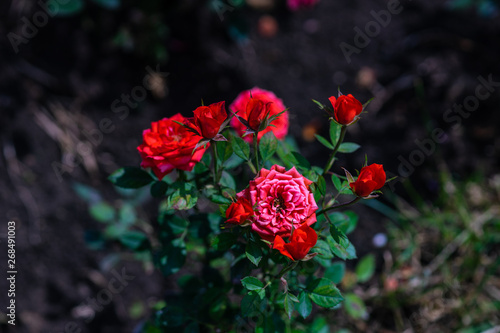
[278, 204]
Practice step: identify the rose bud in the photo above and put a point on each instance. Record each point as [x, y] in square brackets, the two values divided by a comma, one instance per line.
[371, 178]
[239, 212]
[301, 241]
[345, 108]
[208, 121]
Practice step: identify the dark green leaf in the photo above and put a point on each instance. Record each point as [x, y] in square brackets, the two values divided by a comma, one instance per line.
[158, 189]
[324, 141]
[176, 223]
[224, 150]
[102, 212]
[108, 4]
[323, 249]
[223, 241]
[298, 161]
[337, 234]
[253, 252]
[227, 180]
[251, 302]
[134, 240]
[268, 145]
[252, 283]
[240, 147]
[324, 293]
[304, 307]
[348, 147]
[344, 251]
[130, 177]
[334, 132]
[289, 304]
[365, 268]
[172, 257]
[335, 272]
[336, 182]
[64, 8]
[321, 184]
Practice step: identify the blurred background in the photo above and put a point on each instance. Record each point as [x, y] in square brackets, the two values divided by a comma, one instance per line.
[81, 79]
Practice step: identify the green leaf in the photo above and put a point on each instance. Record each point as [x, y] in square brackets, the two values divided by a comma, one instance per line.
[252, 283]
[66, 8]
[298, 160]
[253, 252]
[335, 272]
[334, 132]
[348, 147]
[320, 325]
[344, 250]
[176, 223]
[240, 147]
[304, 307]
[227, 180]
[365, 268]
[172, 257]
[102, 212]
[324, 293]
[87, 193]
[134, 240]
[108, 4]
[130, 177]
[268, 145]
[185, 197]
[337, 234]
[324, 141]
[126, 214]
[251, 302]
[158, 189]
[319, 104]
[321, 183]
[289, 304]
[323, 249]
[223, 241]
[224, 151]
[355, 306]
[336, 182]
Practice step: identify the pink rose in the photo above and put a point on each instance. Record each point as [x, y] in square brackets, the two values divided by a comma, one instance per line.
[282, 199]
[252, 105]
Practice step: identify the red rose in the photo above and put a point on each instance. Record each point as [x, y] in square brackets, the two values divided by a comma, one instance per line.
[346, 108]
[253, 105]
[371, 178]
[239, 212]
[207, 120]
[301, 241]
[168, 145]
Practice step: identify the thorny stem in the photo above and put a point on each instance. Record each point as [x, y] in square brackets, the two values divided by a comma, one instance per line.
[215, 163]
[329, 165]
[342, 205]
[256, 150]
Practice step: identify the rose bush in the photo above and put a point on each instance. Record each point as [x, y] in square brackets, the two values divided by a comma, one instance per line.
[168, 145]
[253, 105]
[268, 213]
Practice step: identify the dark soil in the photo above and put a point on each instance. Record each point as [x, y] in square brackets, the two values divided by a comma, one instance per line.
[428, 58]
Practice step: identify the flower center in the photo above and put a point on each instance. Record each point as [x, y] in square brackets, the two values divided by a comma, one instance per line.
[279, 203]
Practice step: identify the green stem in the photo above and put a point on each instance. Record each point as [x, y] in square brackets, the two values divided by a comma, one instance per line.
[342, 205]
[329, 164]
[287, 269]
[215, 163]
[256, 149]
